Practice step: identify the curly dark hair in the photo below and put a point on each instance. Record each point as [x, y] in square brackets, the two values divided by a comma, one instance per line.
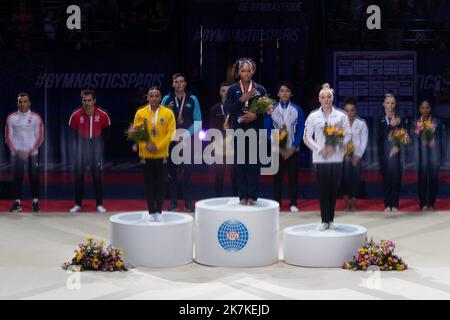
[350, 100]
[239, 62]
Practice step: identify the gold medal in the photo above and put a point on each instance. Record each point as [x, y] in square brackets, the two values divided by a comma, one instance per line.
[180, 120]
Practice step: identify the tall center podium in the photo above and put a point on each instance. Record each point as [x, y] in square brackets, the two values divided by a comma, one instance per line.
[228, 234]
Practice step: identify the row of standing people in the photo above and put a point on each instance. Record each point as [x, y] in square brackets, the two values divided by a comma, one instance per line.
[24, 135]
[331, 163]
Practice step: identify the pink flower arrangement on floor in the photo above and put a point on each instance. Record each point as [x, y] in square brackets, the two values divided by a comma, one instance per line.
[96, 257]
[380, 255]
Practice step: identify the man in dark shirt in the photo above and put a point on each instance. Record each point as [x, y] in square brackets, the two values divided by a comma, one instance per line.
[217, 118]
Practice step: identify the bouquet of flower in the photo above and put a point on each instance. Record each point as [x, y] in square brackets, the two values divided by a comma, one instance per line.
[138, 133]
[425, 129]
[399, 136]
[96, 257]
[261, 105]
[380, 255]
[283, 136]
[333, 135]
[350, 150]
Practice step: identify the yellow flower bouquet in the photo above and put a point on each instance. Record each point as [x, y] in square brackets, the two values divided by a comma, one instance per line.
[350, 150]
[399, 136]
[138, 133]
[333, 135]
[425, 129]
[261, 105]
[283, 136]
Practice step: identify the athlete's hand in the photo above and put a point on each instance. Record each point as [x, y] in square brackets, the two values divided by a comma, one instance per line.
[247, 95]
[326, 151]
[395, 122]
[394, 151]
[151, 147]
[23, 155]
[289, 152]
[247, 117]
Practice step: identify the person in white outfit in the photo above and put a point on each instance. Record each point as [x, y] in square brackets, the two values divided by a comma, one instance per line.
[351, 169]
[24, 133]
[327, 158]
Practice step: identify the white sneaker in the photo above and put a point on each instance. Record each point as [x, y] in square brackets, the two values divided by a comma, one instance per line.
[101, 209]
[151, 217]
[323, 227]
[158, 217]
[294, 208]
[387, 209]
[394, 209]
[332, 226]
[75, 209]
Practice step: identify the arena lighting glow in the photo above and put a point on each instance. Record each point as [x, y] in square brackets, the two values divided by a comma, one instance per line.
[202, 135]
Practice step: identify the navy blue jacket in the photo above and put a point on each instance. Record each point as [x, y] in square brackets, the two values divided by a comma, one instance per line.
[382, 130]
[234, 107]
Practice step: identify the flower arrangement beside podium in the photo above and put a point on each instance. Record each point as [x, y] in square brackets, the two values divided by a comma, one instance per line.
[380, 255]
[96, 257]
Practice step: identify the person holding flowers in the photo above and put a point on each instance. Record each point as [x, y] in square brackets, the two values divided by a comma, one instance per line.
[430, 146]
[390, 136]
[351, 169]
[154, 126]
[327, 131]
[288, 118]
[247, 104]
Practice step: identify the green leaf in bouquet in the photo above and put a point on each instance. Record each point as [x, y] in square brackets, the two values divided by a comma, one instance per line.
[261, 105]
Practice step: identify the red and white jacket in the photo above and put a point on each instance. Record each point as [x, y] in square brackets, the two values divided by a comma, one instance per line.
[89, 126]
[24, 132]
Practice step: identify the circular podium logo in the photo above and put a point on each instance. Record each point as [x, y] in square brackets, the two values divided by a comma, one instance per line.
[232, 235]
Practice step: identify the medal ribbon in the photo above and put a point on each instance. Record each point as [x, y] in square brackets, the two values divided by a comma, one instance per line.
[284, 112]
[248, 90]
[155, 119]
[180, 108]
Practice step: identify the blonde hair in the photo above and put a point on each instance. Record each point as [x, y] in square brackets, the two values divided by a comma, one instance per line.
[390, 95]
[326, 88]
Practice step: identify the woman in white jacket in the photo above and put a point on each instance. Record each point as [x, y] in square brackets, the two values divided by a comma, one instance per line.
[327, 159]
[351, 170]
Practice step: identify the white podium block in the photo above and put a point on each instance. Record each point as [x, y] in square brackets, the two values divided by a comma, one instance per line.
[231, 235]
[153, 244]
[305, 246]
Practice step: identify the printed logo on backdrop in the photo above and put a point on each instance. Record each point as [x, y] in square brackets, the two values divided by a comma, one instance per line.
[248, 34]
[232, 235]
[98, 80]
[291, 6]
